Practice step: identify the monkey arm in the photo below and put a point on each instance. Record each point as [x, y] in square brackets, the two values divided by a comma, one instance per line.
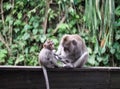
[81, 61]
[66, 64]
[59, 58]
[55, 61]
[59, 50]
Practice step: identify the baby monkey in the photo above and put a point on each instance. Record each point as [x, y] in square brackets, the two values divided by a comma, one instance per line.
[47, 59]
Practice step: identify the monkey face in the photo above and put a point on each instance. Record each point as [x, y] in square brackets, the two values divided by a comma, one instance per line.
[69, 45]
[49, 44]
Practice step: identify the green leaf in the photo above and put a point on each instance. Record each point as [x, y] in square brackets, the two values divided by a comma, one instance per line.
[112, 50]
[63, 26]
[117, 55]
[27, 50]
[3, 51]
[19, 59]
[2, 60]
[10, 61]
[35, 31]
[42, 38]
[117, 11]
[9, 19]
[77, 1]
[91, 59]
[117, 24]
[96, 47]
[89, 50]
[55, 41]
[26, 36]
[19, 15]
[35, 24]
[3, 55]
[105, 61]
[103, 50]
[71, 10]
[33, 48]
[26, 27]
[17, 22]
[117, 37]
[100, 59]
[8, 6]
[16, 30]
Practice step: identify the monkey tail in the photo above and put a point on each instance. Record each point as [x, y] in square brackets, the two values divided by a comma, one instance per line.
[46, 77]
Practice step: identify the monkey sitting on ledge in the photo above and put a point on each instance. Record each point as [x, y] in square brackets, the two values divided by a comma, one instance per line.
[47, 59]
[73, 51]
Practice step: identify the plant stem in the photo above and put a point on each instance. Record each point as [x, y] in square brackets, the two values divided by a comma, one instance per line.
[1, 7]
[5, 43]
[46, 16]
[63, 19]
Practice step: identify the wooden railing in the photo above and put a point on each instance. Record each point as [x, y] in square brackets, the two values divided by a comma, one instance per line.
[29, 77]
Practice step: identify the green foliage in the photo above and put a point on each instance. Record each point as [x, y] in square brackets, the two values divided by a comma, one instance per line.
[3, 55]
[26, 24]
[21, 32]
[104, 36]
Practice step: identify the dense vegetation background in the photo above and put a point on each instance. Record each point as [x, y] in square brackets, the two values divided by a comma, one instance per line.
[26, 24]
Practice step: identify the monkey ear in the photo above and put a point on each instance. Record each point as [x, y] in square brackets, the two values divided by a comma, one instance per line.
[74, 42]
[65, 38]
[44, 46]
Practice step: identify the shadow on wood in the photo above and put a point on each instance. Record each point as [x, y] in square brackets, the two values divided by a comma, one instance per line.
[29, 77]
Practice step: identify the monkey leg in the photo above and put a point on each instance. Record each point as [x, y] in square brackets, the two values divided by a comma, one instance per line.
[81, 61]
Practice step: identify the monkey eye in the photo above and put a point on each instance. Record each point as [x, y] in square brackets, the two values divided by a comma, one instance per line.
[66, 49]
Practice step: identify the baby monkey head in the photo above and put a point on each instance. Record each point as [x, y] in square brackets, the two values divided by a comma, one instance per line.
[49, 44]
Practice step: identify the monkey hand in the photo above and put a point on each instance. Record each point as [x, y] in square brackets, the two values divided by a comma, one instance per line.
[54, 51]
[68, 65]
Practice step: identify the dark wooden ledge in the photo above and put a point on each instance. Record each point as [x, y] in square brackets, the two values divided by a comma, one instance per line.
[30, 77]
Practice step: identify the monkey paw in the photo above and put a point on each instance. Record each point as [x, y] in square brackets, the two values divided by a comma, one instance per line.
[68, 65]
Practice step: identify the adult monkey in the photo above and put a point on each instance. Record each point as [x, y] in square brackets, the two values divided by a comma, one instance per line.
[73, 51]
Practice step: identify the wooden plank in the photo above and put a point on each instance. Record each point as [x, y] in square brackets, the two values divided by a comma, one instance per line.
[21, 78]
[115, 79]
[79, 79]
[31, 77]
